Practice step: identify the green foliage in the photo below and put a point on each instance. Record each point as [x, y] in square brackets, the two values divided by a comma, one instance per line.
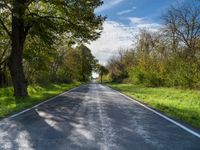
[102, 70]
[37, 60]
[35, 28]
[183, 104]
[60, 63]
[10, 104]
[87, 61]
[118, 70]
[4, 54]
[148, 78]
[75, 17]
[155, 64]
[136, 75]
[185, 73]
[170, 57]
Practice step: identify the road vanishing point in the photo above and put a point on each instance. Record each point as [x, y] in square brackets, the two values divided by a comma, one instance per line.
[93, 117]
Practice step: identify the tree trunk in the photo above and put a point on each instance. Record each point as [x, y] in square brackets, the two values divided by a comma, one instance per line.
[17, 73]
[15, 61]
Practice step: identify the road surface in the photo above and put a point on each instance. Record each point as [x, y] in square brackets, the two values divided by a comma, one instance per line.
[93, 117]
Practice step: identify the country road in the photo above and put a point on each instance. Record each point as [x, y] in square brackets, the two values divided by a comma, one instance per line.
[93, 117]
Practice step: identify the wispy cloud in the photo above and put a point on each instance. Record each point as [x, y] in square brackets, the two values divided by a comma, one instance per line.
[143, 23]
[126, 11]
[136, 20]
[107, 5]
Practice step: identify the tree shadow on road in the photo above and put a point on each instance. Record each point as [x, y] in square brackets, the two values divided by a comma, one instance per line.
[54, 125]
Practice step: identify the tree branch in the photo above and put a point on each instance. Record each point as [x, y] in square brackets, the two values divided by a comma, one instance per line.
[3, 54]
[28, 2]
[4, 61]
[5, 28]
[45, 16]
[27, 28]
[5, 5]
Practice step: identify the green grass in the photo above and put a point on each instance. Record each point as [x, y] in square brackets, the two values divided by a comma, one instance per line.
[183, 104]
[10, 104]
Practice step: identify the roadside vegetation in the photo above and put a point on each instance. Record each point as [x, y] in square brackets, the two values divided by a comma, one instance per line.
[45, 41]
[43, 49]
[10, 104]
[162, 69]
[167, 57]
[183, 104]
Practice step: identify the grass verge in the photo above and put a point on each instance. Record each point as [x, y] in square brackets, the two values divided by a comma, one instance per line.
[183, 104]
[10, 105]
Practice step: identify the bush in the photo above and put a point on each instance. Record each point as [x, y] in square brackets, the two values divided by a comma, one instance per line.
[136, 75]
[183, 73]
[148, 78]
[152, 79]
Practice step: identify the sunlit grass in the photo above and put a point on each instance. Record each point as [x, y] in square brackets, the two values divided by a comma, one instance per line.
[183, 104]
[10, 104]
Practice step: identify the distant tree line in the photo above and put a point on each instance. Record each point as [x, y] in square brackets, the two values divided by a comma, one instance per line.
[169, 57]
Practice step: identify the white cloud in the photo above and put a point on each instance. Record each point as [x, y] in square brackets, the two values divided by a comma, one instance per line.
[116, 36]
[108, 5]
[126, 11]
[136, 20]
[143, 23]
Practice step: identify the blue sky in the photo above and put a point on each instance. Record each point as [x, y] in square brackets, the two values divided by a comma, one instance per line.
[120, 10]
[124, 20]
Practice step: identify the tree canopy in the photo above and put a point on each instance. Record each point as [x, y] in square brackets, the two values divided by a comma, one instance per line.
[42, 22]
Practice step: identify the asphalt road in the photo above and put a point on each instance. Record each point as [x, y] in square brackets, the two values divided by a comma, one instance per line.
[93, 117]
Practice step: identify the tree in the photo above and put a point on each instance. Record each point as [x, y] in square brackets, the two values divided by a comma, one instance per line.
[102, 71]
[46, 20]
[38, 59]
[183, 23]
[73, 65]
[117, 66]
[88, 62]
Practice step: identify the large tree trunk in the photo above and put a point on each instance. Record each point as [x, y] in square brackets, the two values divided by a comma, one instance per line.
[15, 61]
[16, 70]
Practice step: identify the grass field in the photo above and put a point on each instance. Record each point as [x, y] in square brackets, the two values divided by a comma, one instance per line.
[10, 104]
[183, 104]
